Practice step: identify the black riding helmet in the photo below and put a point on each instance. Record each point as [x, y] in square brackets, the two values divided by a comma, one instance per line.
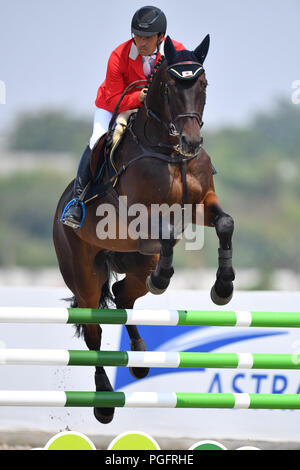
[148, 21]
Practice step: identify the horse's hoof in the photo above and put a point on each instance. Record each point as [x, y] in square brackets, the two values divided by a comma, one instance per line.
[138, 372]
[219, 300]
[104, 415]
[137, 344]
[152, 288]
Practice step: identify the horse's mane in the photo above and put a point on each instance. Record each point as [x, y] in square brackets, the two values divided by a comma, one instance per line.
[156, 68]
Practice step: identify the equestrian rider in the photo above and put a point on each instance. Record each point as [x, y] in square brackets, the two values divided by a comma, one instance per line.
[131, 61]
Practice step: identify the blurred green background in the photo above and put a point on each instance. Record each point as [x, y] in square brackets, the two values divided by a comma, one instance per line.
[258, 183]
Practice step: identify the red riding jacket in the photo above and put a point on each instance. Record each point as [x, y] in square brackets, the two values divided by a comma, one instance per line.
[124, 67]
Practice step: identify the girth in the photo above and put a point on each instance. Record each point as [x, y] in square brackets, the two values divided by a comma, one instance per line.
[179, 159]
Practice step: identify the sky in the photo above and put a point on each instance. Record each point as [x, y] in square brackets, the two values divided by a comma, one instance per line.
[54, 53]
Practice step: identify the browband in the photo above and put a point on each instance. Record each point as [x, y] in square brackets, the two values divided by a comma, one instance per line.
[186, 70]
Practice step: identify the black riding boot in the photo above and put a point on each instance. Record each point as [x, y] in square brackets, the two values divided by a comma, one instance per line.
[73, 215]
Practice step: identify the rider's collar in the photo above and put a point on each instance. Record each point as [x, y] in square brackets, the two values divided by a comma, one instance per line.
[133, 52]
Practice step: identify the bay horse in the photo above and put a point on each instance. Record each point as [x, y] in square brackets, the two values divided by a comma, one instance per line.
[160, 160]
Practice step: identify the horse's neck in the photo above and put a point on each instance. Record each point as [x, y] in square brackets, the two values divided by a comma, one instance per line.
[147, 127]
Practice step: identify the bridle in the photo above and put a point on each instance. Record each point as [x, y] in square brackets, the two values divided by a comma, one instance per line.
[171, 125]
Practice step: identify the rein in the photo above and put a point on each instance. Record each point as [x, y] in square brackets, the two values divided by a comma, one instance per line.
[131, 86]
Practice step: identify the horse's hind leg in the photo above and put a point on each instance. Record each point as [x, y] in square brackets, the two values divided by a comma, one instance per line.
[91, 293]
[92, 336]
[138, 267]
[123, 299]
[222, 291]
[88, 282]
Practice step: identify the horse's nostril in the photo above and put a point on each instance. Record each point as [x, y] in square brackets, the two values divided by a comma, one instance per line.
[183, 139]
[191, 144]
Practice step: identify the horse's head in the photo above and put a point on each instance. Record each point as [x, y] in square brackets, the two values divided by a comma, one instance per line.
[181, 84]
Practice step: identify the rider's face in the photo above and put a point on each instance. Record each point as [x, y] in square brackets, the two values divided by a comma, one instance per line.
[146, 46]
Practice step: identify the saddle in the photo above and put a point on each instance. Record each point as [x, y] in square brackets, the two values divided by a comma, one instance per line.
[103, 154]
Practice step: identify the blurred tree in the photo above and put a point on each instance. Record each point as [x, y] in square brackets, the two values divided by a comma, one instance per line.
[49, 131]
[28, 205]
[258, 183]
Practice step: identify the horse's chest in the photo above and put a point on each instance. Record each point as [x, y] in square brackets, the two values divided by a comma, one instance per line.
[195, 189]
[190, 184]
[162, 183]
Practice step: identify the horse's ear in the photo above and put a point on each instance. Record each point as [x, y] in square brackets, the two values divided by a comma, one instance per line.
[202, 50]
[169, 50]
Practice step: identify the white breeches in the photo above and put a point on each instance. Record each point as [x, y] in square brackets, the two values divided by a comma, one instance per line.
[102, 119]
[101, 122]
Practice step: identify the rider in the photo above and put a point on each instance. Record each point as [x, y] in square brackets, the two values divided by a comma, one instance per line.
[131, 61]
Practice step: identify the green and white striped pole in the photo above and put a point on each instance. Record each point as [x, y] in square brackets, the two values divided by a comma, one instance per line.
[148, 359]
[149, 317]
[149, 400]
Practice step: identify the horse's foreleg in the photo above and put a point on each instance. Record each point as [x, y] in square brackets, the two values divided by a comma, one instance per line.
[222, 291]
[158, 281]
